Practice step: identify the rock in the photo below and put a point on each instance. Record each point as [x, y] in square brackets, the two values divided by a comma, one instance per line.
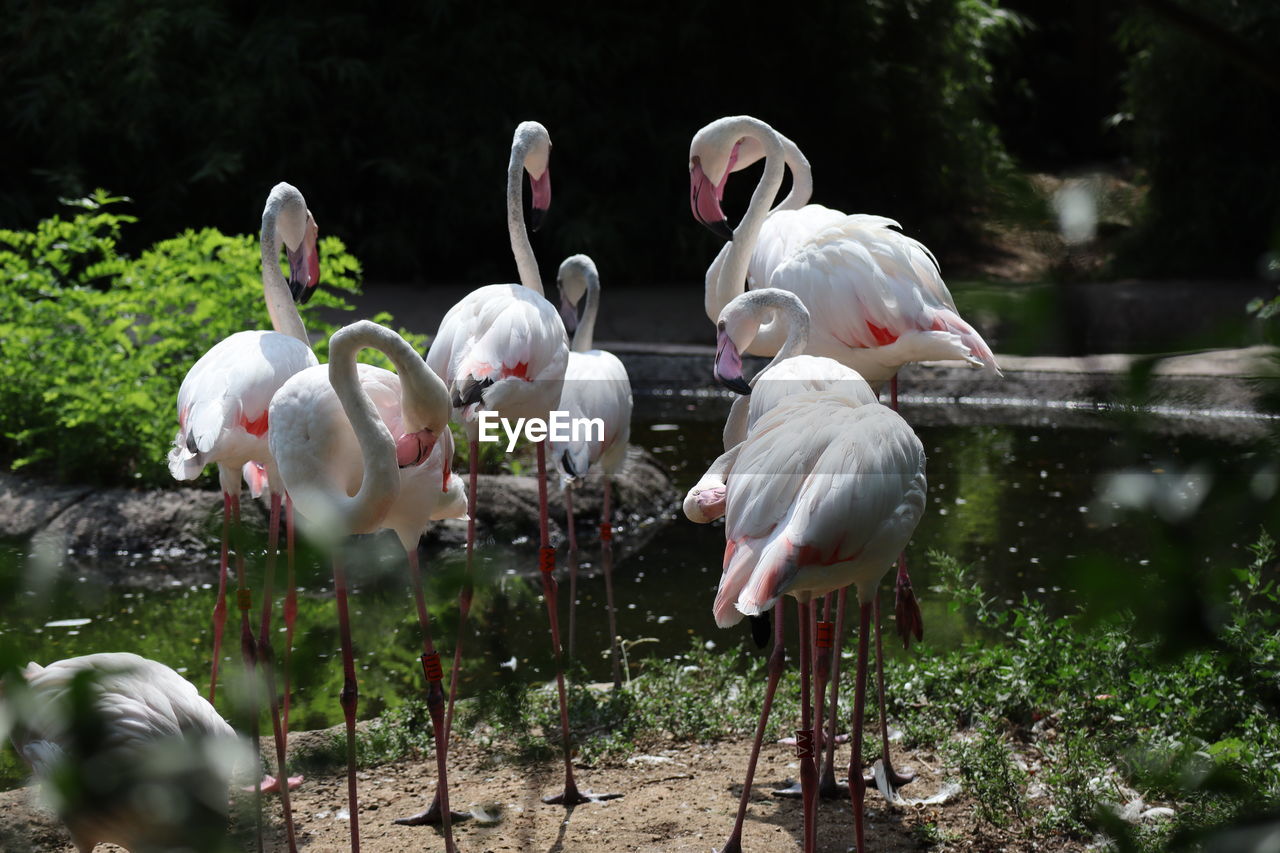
[27, 505]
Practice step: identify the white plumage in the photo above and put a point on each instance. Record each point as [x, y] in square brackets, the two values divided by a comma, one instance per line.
[150, 757]
[876, 295]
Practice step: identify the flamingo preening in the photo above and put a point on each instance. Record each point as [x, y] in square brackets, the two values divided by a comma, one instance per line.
[877, 296]
[152, 758]
[361, 449]
[596, 388]
[824, 492]
[222, 417]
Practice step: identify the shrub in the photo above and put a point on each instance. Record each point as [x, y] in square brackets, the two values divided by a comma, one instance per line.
[94, 344]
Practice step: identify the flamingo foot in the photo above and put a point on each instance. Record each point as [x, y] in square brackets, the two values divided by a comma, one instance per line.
[573, 797]
[791, 792]
[431, 817]
[893, 780]
[791, 741]
[732, 845]
[270, 784]
[907, 611]
[830, 789]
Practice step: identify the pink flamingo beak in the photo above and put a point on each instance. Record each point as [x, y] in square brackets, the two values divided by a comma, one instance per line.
[704, 199]
[540, 189]
[413, 448]
[304, 264]
[728, 367]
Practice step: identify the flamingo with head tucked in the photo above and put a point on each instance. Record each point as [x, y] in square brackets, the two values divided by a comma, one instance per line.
[596, 388]
[825, 490]
[361, 449]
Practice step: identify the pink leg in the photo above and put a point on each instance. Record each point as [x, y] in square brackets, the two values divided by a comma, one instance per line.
[804, 736]
[349, 697]
[905, 607]
[896, 780]
[432, 816]
[290, 613]
[606, 557]
[244, 601]
[857, 785]
[828, 787]
[824, 628]
[435, 701]
[573, 569]
[220, 608]
[777, 659]
[571, 796]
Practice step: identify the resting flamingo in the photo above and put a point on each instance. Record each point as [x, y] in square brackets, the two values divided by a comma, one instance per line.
[596, 386]
[155, 737]
[222, 417]
[825, 490]
[362, 449]
[877, 295]
[789, 373]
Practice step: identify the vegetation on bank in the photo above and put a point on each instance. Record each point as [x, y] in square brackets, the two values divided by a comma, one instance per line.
[94, 342]
[1059, 727]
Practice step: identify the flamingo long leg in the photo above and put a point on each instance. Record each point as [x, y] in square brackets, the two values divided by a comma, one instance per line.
[822, 647]
[896, 780]
[905, 606]
[220, 607]
[432, 815]
[244, 602]
[828, 787]
[350, 695]
[573, 569]
[606, 557]
[857, 785]
[804, 736]
[570, 796]
[435, 700]
[777, 660]
[265, 657]
[290, 613]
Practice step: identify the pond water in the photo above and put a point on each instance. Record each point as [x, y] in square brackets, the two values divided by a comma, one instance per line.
[1018, 503]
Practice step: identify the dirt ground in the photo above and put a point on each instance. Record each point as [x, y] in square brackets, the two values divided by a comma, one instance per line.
[682, 798]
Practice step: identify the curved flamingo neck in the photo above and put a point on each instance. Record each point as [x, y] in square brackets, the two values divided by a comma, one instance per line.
[521, 248]
[801, 176]
[584, 335]
[789, 316]
[285, 318]
[424, 403]
[732, 277]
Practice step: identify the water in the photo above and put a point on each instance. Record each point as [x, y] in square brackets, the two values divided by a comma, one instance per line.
[1018, 503]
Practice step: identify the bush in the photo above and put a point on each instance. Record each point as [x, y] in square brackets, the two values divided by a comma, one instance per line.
[94, 344]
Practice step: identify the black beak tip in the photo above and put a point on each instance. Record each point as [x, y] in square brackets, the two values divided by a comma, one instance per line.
[537, 216]
[300, 292]
[720, 228]
[737, 384]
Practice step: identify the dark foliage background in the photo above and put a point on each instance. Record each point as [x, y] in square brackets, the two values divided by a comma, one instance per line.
[397, 125]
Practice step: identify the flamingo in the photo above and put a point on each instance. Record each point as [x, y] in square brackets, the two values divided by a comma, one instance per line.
[152, 756]
[825, 490]
[362, 449]
[789, 373]
[596, 387]
[222, 417]
[877, 295]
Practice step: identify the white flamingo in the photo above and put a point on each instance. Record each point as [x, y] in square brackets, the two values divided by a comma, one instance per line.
[362, 449]
[152, 757]
[502, 349]
[596, 386]
[222, 418]
[824, 492]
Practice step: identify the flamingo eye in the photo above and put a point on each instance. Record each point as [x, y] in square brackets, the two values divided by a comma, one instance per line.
[720, 326]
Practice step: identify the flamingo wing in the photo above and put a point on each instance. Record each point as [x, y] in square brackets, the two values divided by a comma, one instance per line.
[596, 386]
[823, 494]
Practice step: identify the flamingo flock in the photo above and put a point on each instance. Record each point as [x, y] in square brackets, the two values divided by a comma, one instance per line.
[820, 485]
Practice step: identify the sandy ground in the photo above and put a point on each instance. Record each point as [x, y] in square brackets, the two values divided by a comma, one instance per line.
[682, 798]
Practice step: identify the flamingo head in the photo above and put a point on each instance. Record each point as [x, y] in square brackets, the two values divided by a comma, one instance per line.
[714, 153]
[304, 261]
[532, 145]
[577, 274]
[413, 448]
[734, 325]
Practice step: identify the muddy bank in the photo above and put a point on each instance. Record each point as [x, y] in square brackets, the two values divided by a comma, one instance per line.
[139, 536]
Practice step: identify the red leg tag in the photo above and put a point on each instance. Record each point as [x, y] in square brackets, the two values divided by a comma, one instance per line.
[826, 634]
[547, 560]
[431, 667]
[606, 531]
[244, 598]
